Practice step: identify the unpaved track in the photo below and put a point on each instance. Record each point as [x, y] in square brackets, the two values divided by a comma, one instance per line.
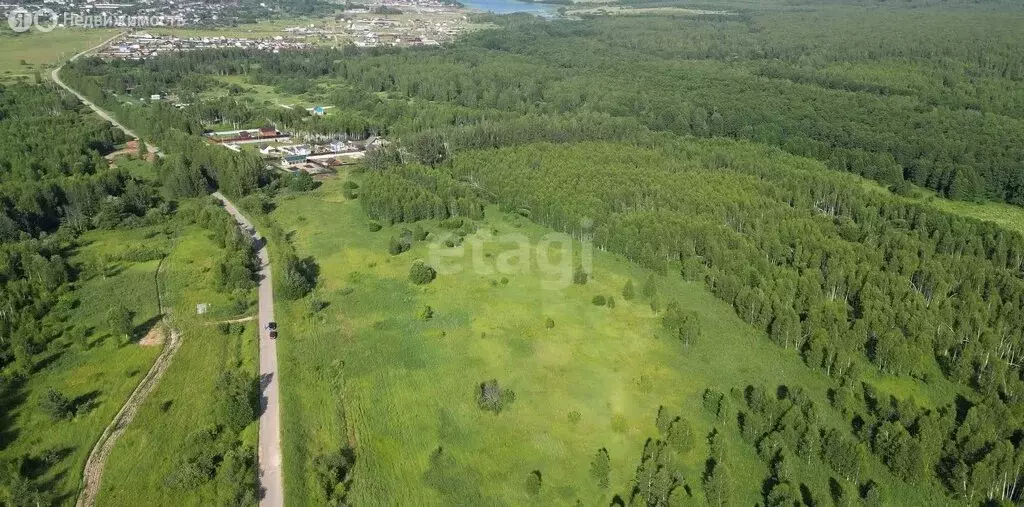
[93, 474]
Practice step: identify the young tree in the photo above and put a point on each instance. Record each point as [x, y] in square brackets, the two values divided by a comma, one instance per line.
[58, 406]
[680, 435]
[491, 397]
[650, 288]
[580, 276]
[119, 320]
[425, 313]
[421, 274]
[628, 292]
[533, 483]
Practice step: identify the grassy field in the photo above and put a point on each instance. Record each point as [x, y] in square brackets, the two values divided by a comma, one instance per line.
[183, 402]
[367, 372]
[87, 364]
[24, 54]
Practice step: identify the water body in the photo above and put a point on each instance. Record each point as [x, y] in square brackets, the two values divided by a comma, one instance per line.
[511, 6]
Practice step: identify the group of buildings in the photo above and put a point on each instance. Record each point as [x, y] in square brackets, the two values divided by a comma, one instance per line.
[277, 148]
[141, 45]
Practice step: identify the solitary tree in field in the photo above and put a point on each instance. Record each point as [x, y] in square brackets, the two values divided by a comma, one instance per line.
[119, 318]
[628, 292]
[421, 274]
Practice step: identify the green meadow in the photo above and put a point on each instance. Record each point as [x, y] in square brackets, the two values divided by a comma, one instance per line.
[26, 53]
[184, 401]
[368, 372]
[86, 364]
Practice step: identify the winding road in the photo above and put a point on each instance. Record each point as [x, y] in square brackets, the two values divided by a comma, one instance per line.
[270, 457]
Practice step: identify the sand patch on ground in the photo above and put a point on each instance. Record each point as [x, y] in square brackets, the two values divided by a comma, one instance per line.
[155, 337]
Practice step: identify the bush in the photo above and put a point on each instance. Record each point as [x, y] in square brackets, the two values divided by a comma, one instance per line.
[301, 182]
[549, 323]
[628, 292]
[396, 246]
[425, 313]
[579, 276]
[237, 405]
[533, 483]
[611, 302]
[333, 475]
[491, 397]
[598, 300]
[452, 223]
[317, 304]
[57, 406]
[374, 226]
[421, 274]
[419, 233]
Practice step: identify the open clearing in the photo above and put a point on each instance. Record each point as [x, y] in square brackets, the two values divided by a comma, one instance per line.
[366, 371]
[40, 51]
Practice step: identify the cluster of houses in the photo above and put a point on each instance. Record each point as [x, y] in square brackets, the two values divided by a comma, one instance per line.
[314, 158]
[137, 46]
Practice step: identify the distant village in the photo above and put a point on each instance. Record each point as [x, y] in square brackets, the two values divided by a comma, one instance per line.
[397, 23]
[142, 45]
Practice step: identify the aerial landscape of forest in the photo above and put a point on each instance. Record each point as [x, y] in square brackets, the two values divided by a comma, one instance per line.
[623, 252]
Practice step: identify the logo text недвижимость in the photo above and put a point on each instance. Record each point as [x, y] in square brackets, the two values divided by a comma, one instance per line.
[46, 20]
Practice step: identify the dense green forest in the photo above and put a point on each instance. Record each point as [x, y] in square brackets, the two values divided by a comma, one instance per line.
[928, 96]
[713, 148]
[843, 276]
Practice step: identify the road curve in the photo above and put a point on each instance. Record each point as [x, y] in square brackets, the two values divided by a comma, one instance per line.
[270, 457]
[55, 76]
[271, 485]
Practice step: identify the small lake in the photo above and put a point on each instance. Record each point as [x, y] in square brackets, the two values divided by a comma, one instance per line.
[510, 6]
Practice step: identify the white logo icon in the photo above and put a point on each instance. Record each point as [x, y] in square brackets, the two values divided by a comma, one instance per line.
[45, 20]
[21, 20]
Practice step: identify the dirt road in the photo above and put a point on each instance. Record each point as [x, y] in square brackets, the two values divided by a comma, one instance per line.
[55, 76]
[271, 486]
